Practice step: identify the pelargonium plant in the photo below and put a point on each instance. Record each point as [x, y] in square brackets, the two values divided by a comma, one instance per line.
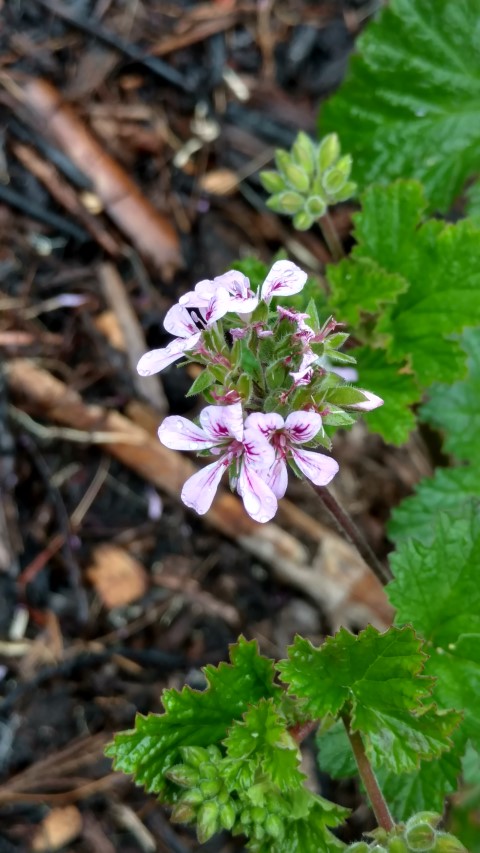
[269, 378]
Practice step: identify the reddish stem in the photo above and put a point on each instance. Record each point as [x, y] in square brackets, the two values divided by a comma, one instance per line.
[377, 801]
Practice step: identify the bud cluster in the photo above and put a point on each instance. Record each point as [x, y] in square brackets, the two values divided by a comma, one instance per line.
[310, 178]
[206, 799]
[269, 382]
[419, 835]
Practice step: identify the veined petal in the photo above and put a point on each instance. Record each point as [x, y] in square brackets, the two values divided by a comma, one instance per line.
[266, 423]
[301, 427]
[157, 359]
[317, 467]
[199, 490]
[235, 282]
[222, 423]
[276, 477]
[258, 451]
[258, 499]
[193, 300]
[284, 279]
[218, 306]
[179, 322]
[243, 304]
[181, 434]
[372, 402]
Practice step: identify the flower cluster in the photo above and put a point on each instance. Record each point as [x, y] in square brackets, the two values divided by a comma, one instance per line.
[267, 377]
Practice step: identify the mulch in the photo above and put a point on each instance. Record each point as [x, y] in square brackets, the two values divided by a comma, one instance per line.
[133, 133]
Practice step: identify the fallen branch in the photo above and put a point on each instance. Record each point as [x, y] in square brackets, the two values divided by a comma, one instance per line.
[149, 231]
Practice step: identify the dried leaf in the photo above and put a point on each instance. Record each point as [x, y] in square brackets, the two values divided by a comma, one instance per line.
[60, 826]
[117, 577]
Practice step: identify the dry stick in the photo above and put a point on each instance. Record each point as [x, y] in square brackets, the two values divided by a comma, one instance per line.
[379, 806]
[349, 528]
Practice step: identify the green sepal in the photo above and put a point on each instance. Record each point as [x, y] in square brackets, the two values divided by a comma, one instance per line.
[337, 417]
[328, 151]
[345, 395]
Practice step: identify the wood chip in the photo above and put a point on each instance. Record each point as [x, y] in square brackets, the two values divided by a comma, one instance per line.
[60, 827]
[117, 577]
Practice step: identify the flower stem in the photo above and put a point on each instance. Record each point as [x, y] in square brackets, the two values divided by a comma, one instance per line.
[330, 235]
[350, 529]
[377, 801]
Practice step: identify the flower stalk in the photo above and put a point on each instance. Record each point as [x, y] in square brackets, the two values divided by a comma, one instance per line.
[365, 770]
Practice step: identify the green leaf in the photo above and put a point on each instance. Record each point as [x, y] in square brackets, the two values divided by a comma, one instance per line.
[374, 678]
[262, 738]
[406, 793]
[456, 408]
[410, 105]
[449, 490]
[441, 264]
[395, 419]
[361, 286]
[203, 381]
[436, 587]
[194, 718]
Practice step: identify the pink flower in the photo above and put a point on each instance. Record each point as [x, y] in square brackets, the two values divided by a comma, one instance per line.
[178, 321]
[286, 436]
[304, 374]
[244, 450]
[228, 292]
[284, 279]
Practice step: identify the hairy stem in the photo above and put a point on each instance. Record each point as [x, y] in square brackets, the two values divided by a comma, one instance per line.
[330, 235]
[300, 731]
[377, 801]
[350, 529]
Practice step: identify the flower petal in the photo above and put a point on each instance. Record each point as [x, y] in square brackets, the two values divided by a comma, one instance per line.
[157, 359]
[199, 490]
[223, 422]
[179, 322]
[266, 423]
[284, 279]
[371, 402]
[258, 451]
[301, 427]
[276, 477]
[317, 467]
[181, 434]
[258, 499]
[218, 306]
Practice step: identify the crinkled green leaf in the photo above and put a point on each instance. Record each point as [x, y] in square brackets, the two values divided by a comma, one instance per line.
[395, 419]
[263, 739]
[436, 587]
[410, 105]
[375, 679]
[306, 818]
[449, 490]
[194, 718]
[455, 409]
[406, 793]
[361, 287]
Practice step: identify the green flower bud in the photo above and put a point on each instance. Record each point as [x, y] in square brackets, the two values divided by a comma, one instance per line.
[397, 845]
[194, 755]
[258, 814]
[210, 788]
[282, 160]
[433, 818]
[297, 177]
[447, 843]
[344, 165]
[303, 220]
[183, 775]
[245, 817]
[316, 206]
[359, 847]
[272, 182]
[328, 151]
[333, 181]
[420, 837]
[348, 191]
[274, 826]
[378, 848]
[182, 813]
[227, 815]
[303, 152]
[287, 202]
[207, 821]
[193, 797]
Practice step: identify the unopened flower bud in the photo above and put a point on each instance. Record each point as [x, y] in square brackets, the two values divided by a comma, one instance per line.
[282, 160]
[359, 847]
[297, 177]
[328, 151]
[433, 818]
[303, 220]
[347, 191]
[182, 813]
[227, 815]
[420, 837]
[333, 181]
[316, 206]
[397, 845]
[272, 181]
[207, 821]
[447, 843]
[183, 775]
[286, 202]
[274, 826]
[194, 755]
[210, 788]
[303, 152]
[344, 165]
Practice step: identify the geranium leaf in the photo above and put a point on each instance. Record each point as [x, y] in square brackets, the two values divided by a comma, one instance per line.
[410, 105]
